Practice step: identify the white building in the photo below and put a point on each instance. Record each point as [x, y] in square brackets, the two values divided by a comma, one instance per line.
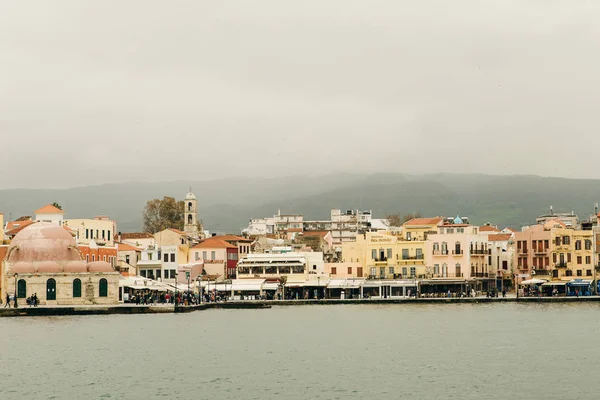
[305, 265]
[260, 227]
[51, 214]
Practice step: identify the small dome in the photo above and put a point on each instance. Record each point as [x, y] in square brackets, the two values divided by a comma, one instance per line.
[100, 266]
[458, 220]
[75, 266]
[43, 241]
[22, 268]
[190, 196]
[49, 267]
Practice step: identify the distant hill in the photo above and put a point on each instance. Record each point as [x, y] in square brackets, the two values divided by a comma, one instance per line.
[227, 205]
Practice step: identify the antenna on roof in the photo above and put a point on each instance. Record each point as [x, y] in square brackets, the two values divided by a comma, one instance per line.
[551, 211]
[596, 208]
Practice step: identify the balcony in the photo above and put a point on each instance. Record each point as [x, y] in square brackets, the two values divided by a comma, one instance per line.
[522, 251]
[381, 260]
[480, 252]
[541, 250]
[457, 252]
[561, 265]
[481, 275]
[542, 272]
[440, 252]
[417, 257]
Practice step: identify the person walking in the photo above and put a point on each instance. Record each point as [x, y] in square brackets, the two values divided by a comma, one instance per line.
[7, 301]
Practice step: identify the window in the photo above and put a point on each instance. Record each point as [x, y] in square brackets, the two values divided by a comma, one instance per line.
[150, 256]
[359, 271]
[569, 272]
[173, 274]
[373, 271]
[143, 273]
[93, 257]
[333, 270]
[189, 219]
[382, 272]
[568, 257]
[588, 259]
[444, 248]
[546, 244]
[436, 247]
[404, 272]
[588, 244]
[408, 236]
[104, 258]
[373, 254]
[450, 230]
[127, 258]
[103, 234]
[391, 270]
[97, 233]
[21, 289]
[457, 271]
[172, 257]
[588, 272]
[197, 256]
[553, 257]
[103, 288]
[389, 254]
[578, 245]
[579, 272]
[190, 206]
[578, 260]
[50, 289]
[557, 241]
[349, 270]
[405, 254]
[213, 255]
[158, 273]
[436, 269]
[87, 233]
[460, 230]
[413, 272]
[204, 255]
[108, 235]
[419, 254]
[87, 258]
[165, 257]
[547, 261]
[566, 240]
[76, 288]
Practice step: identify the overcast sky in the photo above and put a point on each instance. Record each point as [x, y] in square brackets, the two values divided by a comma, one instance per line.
[109, 91]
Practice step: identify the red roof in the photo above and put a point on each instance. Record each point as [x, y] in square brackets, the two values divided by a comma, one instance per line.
[126, 247]
[315, 233]
[12, 228]
[234, 238]
[488, 228]
[214, 242]
[424, 221]
[500, 237]
[49, 209]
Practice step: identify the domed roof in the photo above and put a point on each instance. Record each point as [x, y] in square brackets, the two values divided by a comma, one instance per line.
[100, 266]
[43, 241]
[190, 196]
[75, 266]
[49, 267]
[22, 268]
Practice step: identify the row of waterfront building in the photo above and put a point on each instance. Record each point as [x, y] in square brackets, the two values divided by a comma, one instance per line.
[88, 261]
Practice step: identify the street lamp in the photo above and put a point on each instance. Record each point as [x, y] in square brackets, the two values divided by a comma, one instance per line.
[175, 302]
[199, 279]
[16, 294]
[319, 286]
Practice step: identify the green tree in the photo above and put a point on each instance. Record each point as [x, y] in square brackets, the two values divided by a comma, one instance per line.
[55, 204]
[161, 214]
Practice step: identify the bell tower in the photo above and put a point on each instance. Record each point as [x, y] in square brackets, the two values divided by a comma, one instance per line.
[190, 215]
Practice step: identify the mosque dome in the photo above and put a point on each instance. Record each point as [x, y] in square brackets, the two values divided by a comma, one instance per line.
[23, 268]
[100, 266]
[458, 220]
[49, 267]
[43, 241]
[75, 266]
[190, 196]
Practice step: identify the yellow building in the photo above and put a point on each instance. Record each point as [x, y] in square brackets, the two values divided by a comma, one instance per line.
[176, 241]
[572, 254]
[99, 229]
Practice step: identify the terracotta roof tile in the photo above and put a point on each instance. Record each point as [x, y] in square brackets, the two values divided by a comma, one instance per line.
[423, 221]
[315, 233]
[214, 243]
[12, 228]
[234, 238]
[500, 237]
[126, 247]
[49, 209]
[488, 228]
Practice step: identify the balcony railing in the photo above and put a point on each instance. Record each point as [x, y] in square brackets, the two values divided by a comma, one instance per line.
[417, 257]
[440, 252]
[522, 251]
[540, 251]
[481, 275]
[457, 252]
[480, 252]
[561, 265]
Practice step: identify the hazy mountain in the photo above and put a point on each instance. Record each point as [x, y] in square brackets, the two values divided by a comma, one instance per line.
[227, 205]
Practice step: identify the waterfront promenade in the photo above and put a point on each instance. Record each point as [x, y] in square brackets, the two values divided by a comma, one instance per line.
[265, 304]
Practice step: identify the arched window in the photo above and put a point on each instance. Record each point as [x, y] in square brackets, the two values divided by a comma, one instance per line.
[77, 288]
[21, 289]
[190, 206]
[189, 219]
[50, 289]
[103, 287]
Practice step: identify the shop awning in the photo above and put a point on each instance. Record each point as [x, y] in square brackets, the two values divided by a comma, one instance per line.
[336, 284]
[579, 282]
[533, 282]
[271, 286]
[554, 283]
[317, 282]
[295, 283]
[247, 285]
